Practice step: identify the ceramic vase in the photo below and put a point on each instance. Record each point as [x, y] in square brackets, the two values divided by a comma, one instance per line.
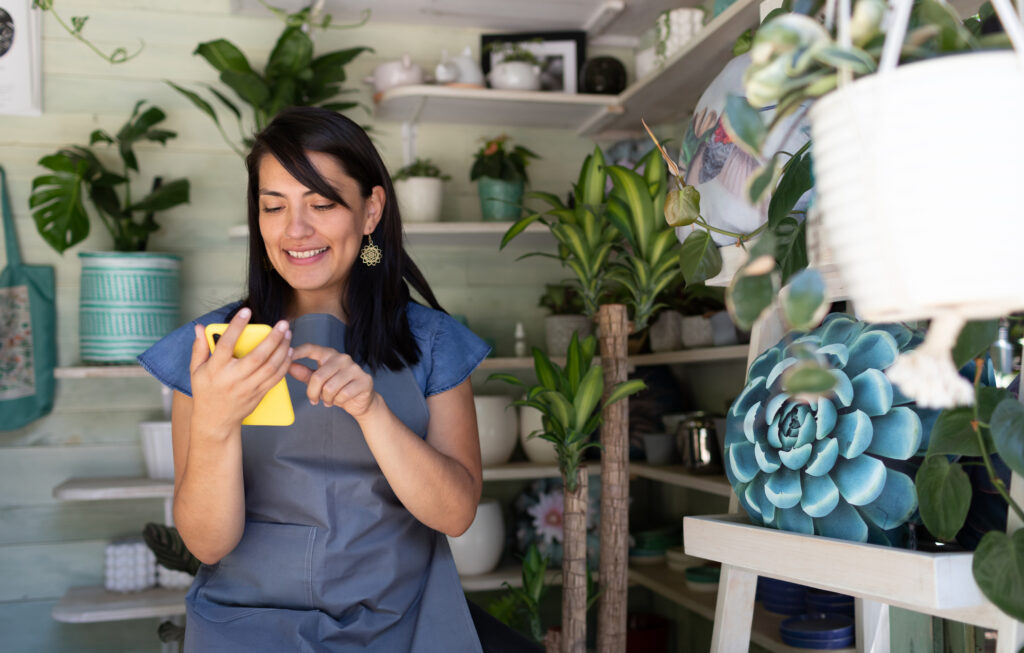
[515, 76]
[537, 449]
[558, 330]
[479, 549]
[497, 424]
[697, 331]
[419, 198]
[500, 200]
[667, 331]
[128, 301]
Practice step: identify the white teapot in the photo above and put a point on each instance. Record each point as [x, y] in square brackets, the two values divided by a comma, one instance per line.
[460, 69]
[400, 72]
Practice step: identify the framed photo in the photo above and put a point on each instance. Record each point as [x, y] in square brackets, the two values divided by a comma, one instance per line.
[560, 53]
[20, 60]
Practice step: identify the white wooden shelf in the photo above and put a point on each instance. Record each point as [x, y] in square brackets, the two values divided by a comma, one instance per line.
[513, 575]
[526, 470]
[671, 584]
[96, 604]
[99, 489]
[938, 584]
[101, 372]
[683, 356]
[461, 233]
[679, 476]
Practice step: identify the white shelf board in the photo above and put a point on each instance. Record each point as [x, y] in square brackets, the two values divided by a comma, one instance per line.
[487, 106]
[681, 357]
[527, 470]
[99, 489]
[939, 584]
[101, 372]
[512, 575]
[670, 93]
[96, 604]
[678, 475]
[461, 233]
[671, 584]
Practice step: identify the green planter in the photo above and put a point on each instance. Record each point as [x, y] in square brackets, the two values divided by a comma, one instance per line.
[128, 301]
[499, 199]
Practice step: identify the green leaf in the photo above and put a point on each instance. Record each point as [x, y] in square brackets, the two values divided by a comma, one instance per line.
[249, 86]
[790, 247]
[953, 435]
[224, 56]
[58, 210]
[998, 568]
[165, 197]
[944, 495]
[682, 207]
[507, 378]
[699, 258]
[99, 136]
[744, 125]
[1007, 428]
[762, 181]
[747, 297]
[743, 43]
[330, 68]
[974, 340]
[518, 228]
[291, 55]
[854, 58]
[624, 389]
[588, 396]
[988, 398]
[198, 101]
[545, 369]
[228, 103]
[803, 300]
[808, 377]
[634, 191]
[169, 549]
[590, 187]
[796, 180]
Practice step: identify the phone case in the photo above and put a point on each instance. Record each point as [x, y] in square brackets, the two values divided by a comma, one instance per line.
[275, 409]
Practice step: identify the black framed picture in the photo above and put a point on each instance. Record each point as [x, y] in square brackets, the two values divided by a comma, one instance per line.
[561, 55]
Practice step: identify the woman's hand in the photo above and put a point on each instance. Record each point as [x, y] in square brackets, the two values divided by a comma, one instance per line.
[226, 389]
[337, 381]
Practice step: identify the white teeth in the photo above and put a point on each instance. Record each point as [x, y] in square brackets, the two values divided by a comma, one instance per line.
[306, 254]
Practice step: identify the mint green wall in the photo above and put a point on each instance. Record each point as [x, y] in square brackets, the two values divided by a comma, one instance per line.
[47, 546]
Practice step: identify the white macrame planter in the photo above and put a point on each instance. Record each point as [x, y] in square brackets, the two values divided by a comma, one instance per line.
[917, 173]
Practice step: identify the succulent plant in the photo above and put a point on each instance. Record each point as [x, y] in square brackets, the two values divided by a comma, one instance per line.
[836, 465]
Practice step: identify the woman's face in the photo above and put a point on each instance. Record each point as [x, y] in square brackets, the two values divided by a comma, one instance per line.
[311, 240]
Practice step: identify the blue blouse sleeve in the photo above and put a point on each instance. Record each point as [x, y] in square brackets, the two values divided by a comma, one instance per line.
[449, 351]
[168, 359]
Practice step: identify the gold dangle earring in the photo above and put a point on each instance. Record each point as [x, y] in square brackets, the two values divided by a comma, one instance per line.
[370, 254]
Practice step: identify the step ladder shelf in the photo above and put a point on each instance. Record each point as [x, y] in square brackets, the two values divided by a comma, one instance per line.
[496, 579]
[671, 584]
[680, 357]
[678, 475]
[98, 489]
[101, 372]
[96, 604]
[516, 471]
[938, 584]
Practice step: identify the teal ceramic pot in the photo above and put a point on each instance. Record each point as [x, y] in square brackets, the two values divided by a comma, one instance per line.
[499, 199]
[128, 301]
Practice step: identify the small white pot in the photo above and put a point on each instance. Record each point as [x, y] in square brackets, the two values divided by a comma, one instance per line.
[157, 449]
[697, 331]
[419, 198]
[515, 75]
[537, 449]
[558, 330]
[400, 72]
[497, 424]
[479, 549]
[723, 331]
[667, 331]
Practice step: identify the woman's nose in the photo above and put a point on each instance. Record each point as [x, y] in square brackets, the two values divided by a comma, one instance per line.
[299, 225]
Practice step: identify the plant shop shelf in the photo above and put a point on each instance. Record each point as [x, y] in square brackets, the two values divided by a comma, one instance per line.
[98, 489]
[526, 470]
[683, 356]
[101, 372]
[512, 575]
[95, 604]
[678, 475]
[938, 584]
[671, 584]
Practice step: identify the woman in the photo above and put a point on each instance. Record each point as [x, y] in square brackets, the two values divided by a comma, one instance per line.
[326, 535]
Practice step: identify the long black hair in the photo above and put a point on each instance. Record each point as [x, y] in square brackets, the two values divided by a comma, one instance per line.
[375, 300]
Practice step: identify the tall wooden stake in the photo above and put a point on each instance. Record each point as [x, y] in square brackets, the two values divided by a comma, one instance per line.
[574, 567]
[613, 570]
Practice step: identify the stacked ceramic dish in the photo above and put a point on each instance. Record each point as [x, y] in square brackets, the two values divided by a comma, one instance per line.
[818, 631]
[649, 547]
[781, 597]
[703, 578]
[821, 601]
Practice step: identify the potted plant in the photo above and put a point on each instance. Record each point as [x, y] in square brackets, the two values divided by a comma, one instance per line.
[500, 174]
[291, 77]
[419, 190]
[566, 306]
[570, 399]
[516, 69]
[129, 297]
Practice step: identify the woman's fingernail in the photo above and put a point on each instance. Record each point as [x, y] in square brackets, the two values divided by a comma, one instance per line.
[288, 334]
[281, 326]
[291, 352]
[244, 313]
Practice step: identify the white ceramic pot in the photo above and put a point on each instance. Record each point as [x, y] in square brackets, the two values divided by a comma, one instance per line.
[697, 331]
[558, 330]
[419, 198]
[898, 202]
[400, 72]
[515, 75]
[497, 424]
[157, 449]
[723, 331]
[667, 331]
[537, 449]
[479, 549]
[462, 69]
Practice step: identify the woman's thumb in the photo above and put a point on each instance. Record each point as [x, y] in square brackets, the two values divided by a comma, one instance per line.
[200, 349]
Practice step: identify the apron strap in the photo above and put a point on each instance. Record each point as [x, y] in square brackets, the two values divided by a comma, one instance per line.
[10, 236]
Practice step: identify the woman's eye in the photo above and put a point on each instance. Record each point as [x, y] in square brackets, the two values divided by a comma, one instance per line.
[271, 209]
[324, 207]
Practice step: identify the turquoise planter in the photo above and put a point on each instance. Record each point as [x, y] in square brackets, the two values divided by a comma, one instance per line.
[500, 200]
[128, 301]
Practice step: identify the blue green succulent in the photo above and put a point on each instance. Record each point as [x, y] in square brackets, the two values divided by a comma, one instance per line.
[839, 465]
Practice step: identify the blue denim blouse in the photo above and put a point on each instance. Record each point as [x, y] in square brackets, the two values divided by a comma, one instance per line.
[449, 352]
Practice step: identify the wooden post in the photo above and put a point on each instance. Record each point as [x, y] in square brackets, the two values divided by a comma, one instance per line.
[613, 570]
[574, 567]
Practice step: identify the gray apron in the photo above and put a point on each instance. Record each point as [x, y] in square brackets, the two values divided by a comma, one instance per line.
[330, 559]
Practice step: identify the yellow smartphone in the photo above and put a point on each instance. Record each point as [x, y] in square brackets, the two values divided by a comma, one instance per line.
[275, 409]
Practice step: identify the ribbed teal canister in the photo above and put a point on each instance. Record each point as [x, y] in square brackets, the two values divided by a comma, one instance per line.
[499, 199]
[128, 301]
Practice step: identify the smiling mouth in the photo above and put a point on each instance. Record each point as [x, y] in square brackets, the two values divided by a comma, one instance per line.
[310, 253]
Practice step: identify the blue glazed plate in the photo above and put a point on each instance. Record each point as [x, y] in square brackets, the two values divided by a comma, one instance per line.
[818, 627]
[800, 642]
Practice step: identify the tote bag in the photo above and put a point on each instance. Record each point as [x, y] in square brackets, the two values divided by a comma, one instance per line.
[28, 342]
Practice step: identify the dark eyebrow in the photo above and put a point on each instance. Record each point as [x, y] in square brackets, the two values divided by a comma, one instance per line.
[277, 194]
